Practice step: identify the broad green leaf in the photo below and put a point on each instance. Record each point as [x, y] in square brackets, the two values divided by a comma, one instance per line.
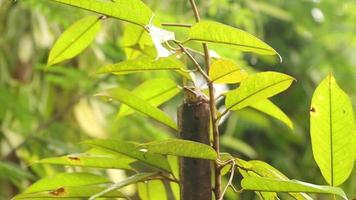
[65, 185]
[258, 168]
[152, 190]
[154, 91]
[87, 160]
[332, 130]
[74, 40]
[275, 185]
[133, 11]
[263, 169]
[134, 40]
[131, 150]
[226, 71]
[238, 145]
[257, 87]
[215, 32]
[138, 104]
[70, 192]
[130, 180]
[246, 173]
[178, 147]
[268, 107]
[174, 165]
[142, 64]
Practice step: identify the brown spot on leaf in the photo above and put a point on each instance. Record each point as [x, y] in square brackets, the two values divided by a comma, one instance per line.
[312, 109]
[57, 192]
[73, 158]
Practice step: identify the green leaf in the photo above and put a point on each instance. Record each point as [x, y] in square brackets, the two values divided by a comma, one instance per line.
[210, 31]
[142, 64]
[258, 168]
[131, 150]
[87, 160]
[140, 105]
[130, 180]
[178, 147]
[154, 91]
[66, 179]
[135, 41]
[268, 107]
[226, 71]
[133, 11]
[256, 88]
[69, 193]
[71, 185]
[332, 130]
[275, 185]
[151, 190]
[74, 40]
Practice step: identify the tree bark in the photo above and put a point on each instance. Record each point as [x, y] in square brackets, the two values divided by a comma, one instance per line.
[195, 174]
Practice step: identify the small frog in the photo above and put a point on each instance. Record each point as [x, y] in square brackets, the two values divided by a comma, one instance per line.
[194, 96]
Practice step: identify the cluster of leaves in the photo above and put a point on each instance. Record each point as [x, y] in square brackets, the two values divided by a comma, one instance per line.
[333, 139]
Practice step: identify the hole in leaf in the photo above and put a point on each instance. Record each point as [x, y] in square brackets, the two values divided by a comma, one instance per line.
[57, 192]
[73, 158]
[312, 109]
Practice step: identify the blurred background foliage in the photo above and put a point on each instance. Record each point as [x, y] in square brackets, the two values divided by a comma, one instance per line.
[47, 113]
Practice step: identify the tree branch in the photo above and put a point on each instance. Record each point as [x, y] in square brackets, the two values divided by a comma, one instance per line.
[212, 103]
[176, 24]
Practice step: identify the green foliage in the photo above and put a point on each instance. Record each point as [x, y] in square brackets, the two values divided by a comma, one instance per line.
[133, 11]
[155, 92]
[257, 87]
[268, 107]
[215, 32]
[152, 165]
[139, 104]
[91, 160]
[152, 190]
[226, 71]
[74, 40]
[67, 185]
[332, 129]
[256, 168]
[130, 180]
[275, 185]
[131, 150]
[184, 148]
[141, 65]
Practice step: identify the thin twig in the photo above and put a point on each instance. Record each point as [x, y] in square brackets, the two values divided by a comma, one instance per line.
[176, 24]
[195, 10]
[236, 190]
[212, 104]
[230, 180]
[222, 114]
[197, 65]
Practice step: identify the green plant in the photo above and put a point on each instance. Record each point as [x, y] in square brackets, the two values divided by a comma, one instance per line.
[157, 160]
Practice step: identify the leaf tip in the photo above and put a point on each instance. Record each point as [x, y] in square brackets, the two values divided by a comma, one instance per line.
[279, 57]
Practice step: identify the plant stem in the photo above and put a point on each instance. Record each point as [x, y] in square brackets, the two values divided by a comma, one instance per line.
[176, 24]
[194, 61]
[213, 115]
